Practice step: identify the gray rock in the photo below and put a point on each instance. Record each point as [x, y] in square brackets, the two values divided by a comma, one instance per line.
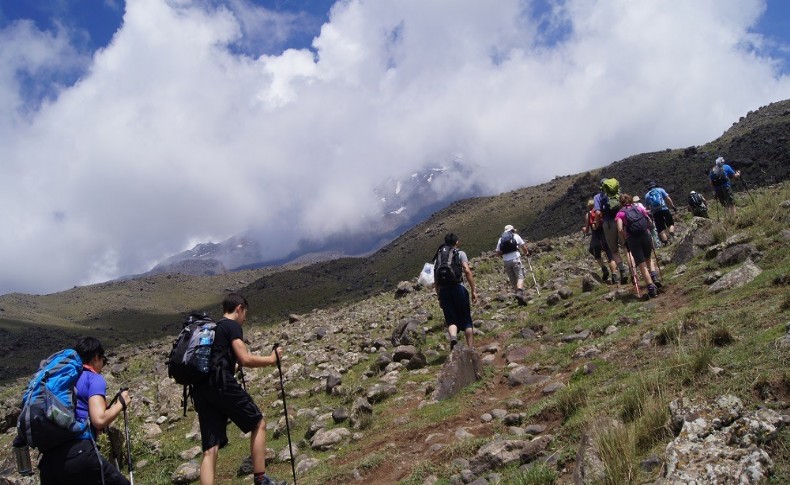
[574, 337]
[747, 272]
[333, 380]
[711, 278]
[527, 334]
[692, 243]
[191, 453]
[403, 289]
[463, 368]
[186, 473]
[382, 362]
[380, 392]
[565, 293]
[418, 361]
[589, 283]
[306, 465]
[523, 376]
[340, 415]
[553, 298]
[500, 452]
[326, 439]
[403, 352]
[407, 332]
[535, 429]
[735, 254]
[552, 388]
[517, 355]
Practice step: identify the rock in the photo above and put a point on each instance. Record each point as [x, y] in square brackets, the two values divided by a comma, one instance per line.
[380, 392]
[361, 413]
[574, 337]
[589, 283]
[325, 439]
[553, 298]
[191, 453]
[186, 473]
[692, 243]
[340, 415]
[403, 289]
[382, 362]
[418, 361]
[517, 355]
[500, 453]
[293, 318]
[150, 430]
[306, 465]
[333, 380]
[552, 388]
[711, 278]
[735, 254]
[747, 272]
[565, 293]
[527, 334]
[463, 368]
[407, 332]
[403, 352]
[523, 376]
[513, 419]
[535, 429]
[589, 468]
[720, 443]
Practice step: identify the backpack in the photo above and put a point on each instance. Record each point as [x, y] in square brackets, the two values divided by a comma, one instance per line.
[610, 196]
[190, 359]
[695, 201]
[718, 176]
[447, 269]
[654, 199]
[635, 221]
[48, 416]
[507, 243]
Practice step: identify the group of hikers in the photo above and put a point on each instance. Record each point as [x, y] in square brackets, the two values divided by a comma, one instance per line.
[615, 221]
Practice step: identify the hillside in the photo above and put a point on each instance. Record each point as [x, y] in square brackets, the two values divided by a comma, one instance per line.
[31, 327]
[585, 384]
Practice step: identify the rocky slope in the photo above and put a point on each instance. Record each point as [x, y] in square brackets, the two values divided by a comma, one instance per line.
[585, 384]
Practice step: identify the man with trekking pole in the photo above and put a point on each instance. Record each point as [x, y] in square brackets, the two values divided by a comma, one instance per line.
[719, 177]
[221, 397]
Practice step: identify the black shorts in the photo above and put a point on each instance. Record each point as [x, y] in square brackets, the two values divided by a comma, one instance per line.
[77, 462]
[454, 301]
[598, 244]
[724, 195]
[640, 245]
[663, 219]
[215, 407]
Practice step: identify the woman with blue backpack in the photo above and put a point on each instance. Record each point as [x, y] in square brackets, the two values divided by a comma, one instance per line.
[79, 460]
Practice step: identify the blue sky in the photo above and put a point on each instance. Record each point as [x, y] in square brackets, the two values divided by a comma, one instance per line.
[111, 111]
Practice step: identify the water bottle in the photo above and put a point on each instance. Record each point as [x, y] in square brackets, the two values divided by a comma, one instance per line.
[22, 457]
[203, 352]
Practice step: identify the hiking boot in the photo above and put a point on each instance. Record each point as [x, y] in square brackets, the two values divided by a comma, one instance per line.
[520, 297]
[652, 291]
[604, 273]
[654, 277]
[614, 279]
[267, 480]
[453, 343]
[623, 278]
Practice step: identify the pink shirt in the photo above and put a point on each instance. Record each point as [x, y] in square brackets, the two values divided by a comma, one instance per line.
[621, 215]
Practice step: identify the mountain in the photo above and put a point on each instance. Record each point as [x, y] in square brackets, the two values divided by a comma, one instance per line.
[143, 308]
[402, 203]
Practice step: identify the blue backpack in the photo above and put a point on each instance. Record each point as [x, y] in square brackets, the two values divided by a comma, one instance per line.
[48, 416]
[654, 200]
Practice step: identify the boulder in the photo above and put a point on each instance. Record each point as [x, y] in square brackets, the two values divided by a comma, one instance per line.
[403, 352]
[735, 254]
[523, 376]
[403, 289]
[589, 283]
[694, 241]
[501, 452]
[380, 392]
[463, 368]
[186, 473]
[744, 274]
[326, 439]
[407, 332]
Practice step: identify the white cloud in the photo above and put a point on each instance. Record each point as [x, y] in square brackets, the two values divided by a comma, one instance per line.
[171, 135]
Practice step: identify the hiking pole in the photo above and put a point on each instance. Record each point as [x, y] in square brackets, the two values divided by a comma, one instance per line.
[118, 397]
[747, 190]
[632, 267]
[285, 408]
[529, 261]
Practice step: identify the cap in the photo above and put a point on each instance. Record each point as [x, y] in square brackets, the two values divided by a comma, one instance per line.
[693, 192]
[652, 184]
[509, 228]
[635, 198]
[720, 161]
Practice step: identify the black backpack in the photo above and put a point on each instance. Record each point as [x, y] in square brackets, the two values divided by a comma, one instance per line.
[695, 201]
[508, 243]
[635, 221]
[447, 268]
[190, 360]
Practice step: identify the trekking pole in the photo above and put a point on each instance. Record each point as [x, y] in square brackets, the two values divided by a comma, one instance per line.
[285, 408]
[632, 267]
[747, 190]
[529, 261]
[118, 397]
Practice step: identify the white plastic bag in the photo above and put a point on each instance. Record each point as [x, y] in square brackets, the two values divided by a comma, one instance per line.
[426, 277]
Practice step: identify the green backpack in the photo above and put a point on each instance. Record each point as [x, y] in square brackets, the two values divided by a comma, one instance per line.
[610, 200]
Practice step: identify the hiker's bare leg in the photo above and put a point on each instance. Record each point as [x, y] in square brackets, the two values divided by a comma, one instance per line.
[208, 465]
[520, 284]
[645, 273]
[452, 330]
[258, 447]
[469, 333]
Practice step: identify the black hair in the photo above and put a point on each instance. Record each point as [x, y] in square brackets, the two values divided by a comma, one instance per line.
[88, 348]
[233, 300]
[450, 239]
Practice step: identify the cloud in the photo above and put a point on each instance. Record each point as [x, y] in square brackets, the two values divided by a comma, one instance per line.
[172, 134]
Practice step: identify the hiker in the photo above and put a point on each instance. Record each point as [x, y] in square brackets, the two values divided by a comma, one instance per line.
[720, 176]
[658, 203]
[598, 246]
[633, 227]
[698, 205]
[79, 461]
[606, 204]
[509, 246]
[220, 397]
[451, 265]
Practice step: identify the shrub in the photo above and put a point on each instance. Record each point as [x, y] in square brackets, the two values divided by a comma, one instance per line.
[617, 450]
[571, 399]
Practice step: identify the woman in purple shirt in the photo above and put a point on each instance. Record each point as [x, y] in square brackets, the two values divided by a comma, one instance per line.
[79, 461]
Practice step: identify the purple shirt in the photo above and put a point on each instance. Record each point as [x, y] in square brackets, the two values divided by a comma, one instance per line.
[88, 385]
[621, 216]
